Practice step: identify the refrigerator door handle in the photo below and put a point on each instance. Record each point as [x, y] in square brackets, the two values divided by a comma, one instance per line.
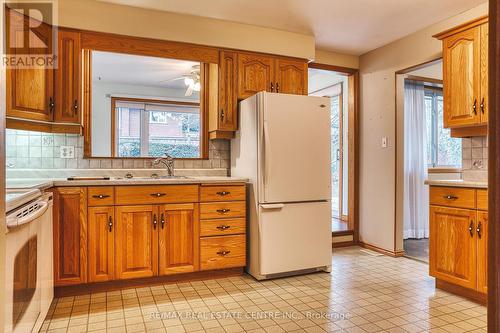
[273, 206]
[266, 152]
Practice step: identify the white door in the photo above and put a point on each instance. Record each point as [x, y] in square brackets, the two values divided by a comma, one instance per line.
[295, 155]
[294, 236]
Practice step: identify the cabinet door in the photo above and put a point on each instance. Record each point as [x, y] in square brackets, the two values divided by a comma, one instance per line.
[482, 251]
[179, 238]
[29, 90]
[228, 103]
[452, 248]
[136, 242]
[484, 74]
[101, 243]
[68, 77]
[255, 73]
[291, 76]
[461, 78]
[70, 235]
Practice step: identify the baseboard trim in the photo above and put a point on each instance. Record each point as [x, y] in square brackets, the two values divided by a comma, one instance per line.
[83, 289]
[381, 250]
[470, 294]
[343, 244]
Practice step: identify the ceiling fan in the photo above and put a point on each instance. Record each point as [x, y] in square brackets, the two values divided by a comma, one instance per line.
[191, 80]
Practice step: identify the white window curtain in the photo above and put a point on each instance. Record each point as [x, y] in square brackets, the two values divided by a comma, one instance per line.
[416, 193]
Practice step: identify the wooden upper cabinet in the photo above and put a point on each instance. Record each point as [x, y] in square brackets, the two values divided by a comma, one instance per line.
[452, 248]
[291, 76]
[255, 73]
[178, 238]
[70, 235]
[136, 234]
[30, 91]
[101, 243]
[482, 251]
[228, 108]
[484, 74]
[465, 74]
[68, 77]
[461, 82]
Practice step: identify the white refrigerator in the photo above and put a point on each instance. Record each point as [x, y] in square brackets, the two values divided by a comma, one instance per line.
[283, 148]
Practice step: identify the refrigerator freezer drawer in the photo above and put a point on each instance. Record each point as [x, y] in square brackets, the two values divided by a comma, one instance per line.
[294, 236]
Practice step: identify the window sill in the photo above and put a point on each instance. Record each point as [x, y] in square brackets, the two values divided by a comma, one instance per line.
[444, 170]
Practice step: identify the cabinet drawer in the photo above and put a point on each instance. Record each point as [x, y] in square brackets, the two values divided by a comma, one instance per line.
[222, 227]
[222, 193]
[101, 196]
[482, 199]
[161, 194]
[453, 197]
[217, 210]
[222, 252]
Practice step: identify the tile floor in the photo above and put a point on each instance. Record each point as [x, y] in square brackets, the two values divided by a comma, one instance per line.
[366, 292]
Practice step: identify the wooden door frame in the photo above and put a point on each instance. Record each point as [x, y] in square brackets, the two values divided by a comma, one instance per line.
[353, 147]
[493, 169]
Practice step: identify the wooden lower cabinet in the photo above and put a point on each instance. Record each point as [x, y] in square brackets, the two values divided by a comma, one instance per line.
[136, 250]
[452, 248]
[101, 245]
[482, 251]
[70, 235]
[179, 231]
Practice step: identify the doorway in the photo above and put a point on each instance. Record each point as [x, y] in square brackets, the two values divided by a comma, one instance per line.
[338, 86]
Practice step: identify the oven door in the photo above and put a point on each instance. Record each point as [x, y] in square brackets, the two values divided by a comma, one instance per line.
[22, 299]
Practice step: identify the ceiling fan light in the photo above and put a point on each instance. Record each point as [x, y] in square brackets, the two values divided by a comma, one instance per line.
[188, 81]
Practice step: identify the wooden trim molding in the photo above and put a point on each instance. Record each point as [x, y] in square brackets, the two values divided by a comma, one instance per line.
[424, 79]
[43, 126]
[444, 170]
[333, 68]
[465, 132]
[462, 27]
[494, 169]
[394, 254]
[101, 41]
[343, 244]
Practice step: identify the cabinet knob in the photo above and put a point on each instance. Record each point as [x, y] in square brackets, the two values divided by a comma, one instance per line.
[162, 220]
[482, 105]
[223, 227]
[110, 224]
[155, 222]
[223, 193]
[52, 104]
[223, 211]
[471, 227]
[100, 196]
[223, 253]
[222, 114]
[478, 230]
[474, 106]
[277, 87]
[158, 194]
[450, 197]
[272, 86]
[75, 106]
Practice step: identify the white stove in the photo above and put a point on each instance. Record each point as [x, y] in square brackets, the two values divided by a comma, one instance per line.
[15, 198]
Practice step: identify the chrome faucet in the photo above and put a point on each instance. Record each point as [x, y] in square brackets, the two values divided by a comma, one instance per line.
[168, 162]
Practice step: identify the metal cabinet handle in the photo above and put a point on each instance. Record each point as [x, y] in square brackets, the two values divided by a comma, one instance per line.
[110, 224]
[277, 87]
[223, 211]
[75, 106]
[474, 106]
[471, 227]
[223, 253]
[158, 194]
[155, 222]
[450, 197]
[272, 87]
[478, 230]
[223, 193]
[222, 114]
[482, 105]
[162, 220]
[52, 104]
[223, 227]
[100, 196]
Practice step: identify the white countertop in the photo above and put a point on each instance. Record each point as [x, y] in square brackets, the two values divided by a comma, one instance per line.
[45, 183]
[457, 183]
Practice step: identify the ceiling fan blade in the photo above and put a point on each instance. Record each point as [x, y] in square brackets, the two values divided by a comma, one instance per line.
[176, 79]
[189, 91]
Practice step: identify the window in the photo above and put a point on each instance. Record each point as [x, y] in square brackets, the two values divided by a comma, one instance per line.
[442, 149]
[153, 129]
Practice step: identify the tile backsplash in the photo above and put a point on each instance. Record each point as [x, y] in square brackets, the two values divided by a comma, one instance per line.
[475, 153]
[36, 150]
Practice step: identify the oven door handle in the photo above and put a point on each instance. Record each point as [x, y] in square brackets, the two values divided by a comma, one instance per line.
[29, 218]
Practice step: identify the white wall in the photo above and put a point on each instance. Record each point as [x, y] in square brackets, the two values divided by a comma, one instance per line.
[434, 71]
[378, 119]
[101, 108]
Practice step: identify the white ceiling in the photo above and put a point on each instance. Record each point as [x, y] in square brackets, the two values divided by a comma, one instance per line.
[139, 70]
[320, 79]
[347, 26]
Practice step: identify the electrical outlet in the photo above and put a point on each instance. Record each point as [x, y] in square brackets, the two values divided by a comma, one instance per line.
[384, 142]
[67, 152]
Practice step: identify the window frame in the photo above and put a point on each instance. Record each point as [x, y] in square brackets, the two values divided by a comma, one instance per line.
[146, 116]
[435, 167]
